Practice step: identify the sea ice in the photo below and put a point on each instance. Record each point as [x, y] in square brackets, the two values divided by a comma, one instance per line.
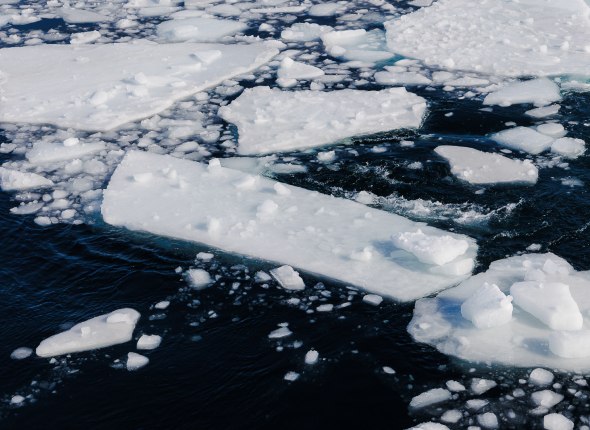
[498, 37]
[480, 386]
[21, 353]
[487, 307]
[357, 45]
[271, 120]
[568, 147]
[543, 112]
[199, 278]
[539, 92]
[488, 420]
[541, 377]
[546, 398]
[290, 69]
[136, 361]
[312, 357]
[526, 340]
[372, 299]
[557, 422]
[305, 229]
[477, 167]
[14, 180]
[98, 332]
[430, 397]
[304, 32]
[52, 152]
[78, 90]
[288, 278]
[147, 341]
[198, 29]
[523, 139]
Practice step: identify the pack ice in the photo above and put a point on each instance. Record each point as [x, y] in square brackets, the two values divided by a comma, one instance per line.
[509, 38]
[98, 332]
[256, 216]
[527, 310]
[100, 87]
[272, 120]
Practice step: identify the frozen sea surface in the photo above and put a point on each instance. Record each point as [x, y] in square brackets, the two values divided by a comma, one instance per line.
[216, 365]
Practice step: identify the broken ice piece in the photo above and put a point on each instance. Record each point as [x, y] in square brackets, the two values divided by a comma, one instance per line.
[288, 278]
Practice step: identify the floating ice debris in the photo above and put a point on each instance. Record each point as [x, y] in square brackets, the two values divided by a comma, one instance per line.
[21, 353]
[304, 119]
[304, 32]
[199, 278]
[280, 333]
[288, 278]
[527, 339]
[136, 361]
[307, 230]
[539, 92]
[541, 377]
[162, 305]
[149, 341]
[480, 386]
[291, 376]
[497, 37]
[568, 147]
[388, 370]
[372, 299]
[557, 422]
[543, 112]
[451, 416]
[14, 180]
[487, 307]
[546, 398]
[430, 397]
[552, 129]
[312, 357]
[51, 152]
[430, 426]
[17, 399]
[357, 45]
[455, 386]
[98, 332]
[84, 37]
[198, 29]
[142, 79]
[523, 139]
[477, 167]
[488, 420]
[293, 70]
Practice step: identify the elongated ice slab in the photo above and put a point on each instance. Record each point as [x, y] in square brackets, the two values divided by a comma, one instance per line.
[271, 120]
[98, 332]
[526, 339]
[198, 29]
[13, 180]
[477, 167]
[252, 215]
[540, 92]
[100, 87]
[511, 38]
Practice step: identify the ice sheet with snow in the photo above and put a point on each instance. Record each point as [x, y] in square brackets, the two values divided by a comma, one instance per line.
[99, 332]
[539, 92]
[100, 87]
[271, 120]
[357, 45]
[523, 139]
[510, 38]
[198, 29]
[524, 340]
[259, 217]
[477, 167]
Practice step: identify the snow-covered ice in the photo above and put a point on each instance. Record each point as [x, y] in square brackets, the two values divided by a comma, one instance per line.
[541, 377]
[357, 45]
[498, 37]
[99, 332]
[525, 340]
[568, 147]
[557, 422]
[523, 139]
[142, 78]
[477, 167]
[312, 357]
[198, 278]
[539, 92]
[21, 353]
[288, 278]
[136, 361]
[317, 233]
[430, 397]
[372, 299]
[271, 120]
[147, 341]
[14, 180]
[198, 29]
[487, 307]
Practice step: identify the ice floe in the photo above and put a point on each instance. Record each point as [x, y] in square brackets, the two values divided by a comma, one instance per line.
[99, 332]
[540, 92]
[547, 328]
[271, 120]
[14, 180]
[499, 37]
[198, 29]
[477, 167]
[250, 215]
[142, 79]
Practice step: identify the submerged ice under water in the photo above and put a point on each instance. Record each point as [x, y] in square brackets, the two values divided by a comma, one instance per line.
[237, 345]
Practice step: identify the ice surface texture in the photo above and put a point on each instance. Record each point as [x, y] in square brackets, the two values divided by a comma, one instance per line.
[74, 89]
[271, 120]
[549, 296]
[255, 216]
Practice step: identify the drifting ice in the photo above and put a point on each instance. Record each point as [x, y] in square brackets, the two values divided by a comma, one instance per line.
[251, 215]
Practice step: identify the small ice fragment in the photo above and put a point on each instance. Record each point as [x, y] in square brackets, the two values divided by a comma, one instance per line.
[21, 353]
[487, 307]
[17, 399]
[480, 386]
[372, 299]
[557, 422]
[199, 278]
[149, 341]
[430, 397]
[488, 420]
[568, 147]
[325, 308]
[455, 386]
[162, 305]
[205, 256]
[552, 129]
[291, 376]
[280, 333]
[540, 377]
[534, 247]
[538, 91]
[451, 416]
[261, 277]
[136, 361]
[312, 357]
[288, 278]
[546, 398]
[431, 249]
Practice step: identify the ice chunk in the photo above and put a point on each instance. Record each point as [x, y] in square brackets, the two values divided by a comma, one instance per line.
[451, 416]
[488, 420]
[198, 29]
[98, 332]
[147, 341]
[304, 32]
[477, 167]
[84, 37]
[309, 231]
[13, 180]
[162, 305]
[291, 376]
[539, 92]
[480, 386]
[372, 299]
[199, 278]
[430, 397]
[496, 37]
[430, 426]
[357, 45]
[312, 357]
[305, 119]
[557, 422]
[568, 147]
[552, 129]
[288, 278]
[295, 70]
[17, 399]
[437, 249]
[280, 333]
[487, 307]
[136, 361]
[541, 377]
[523, 139]
[543, 112]
[21, 353]
[455, 386]
[550, 302]
[524, 341]
[50, 152]
[546, 398]
[142, 79]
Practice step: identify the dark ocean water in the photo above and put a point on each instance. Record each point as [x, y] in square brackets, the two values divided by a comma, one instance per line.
[223, 372]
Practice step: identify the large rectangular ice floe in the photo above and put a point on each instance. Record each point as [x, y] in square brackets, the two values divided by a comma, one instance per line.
[528, 310]
[510, 38]
[261, 218]
[272, 120]
[100, 87]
